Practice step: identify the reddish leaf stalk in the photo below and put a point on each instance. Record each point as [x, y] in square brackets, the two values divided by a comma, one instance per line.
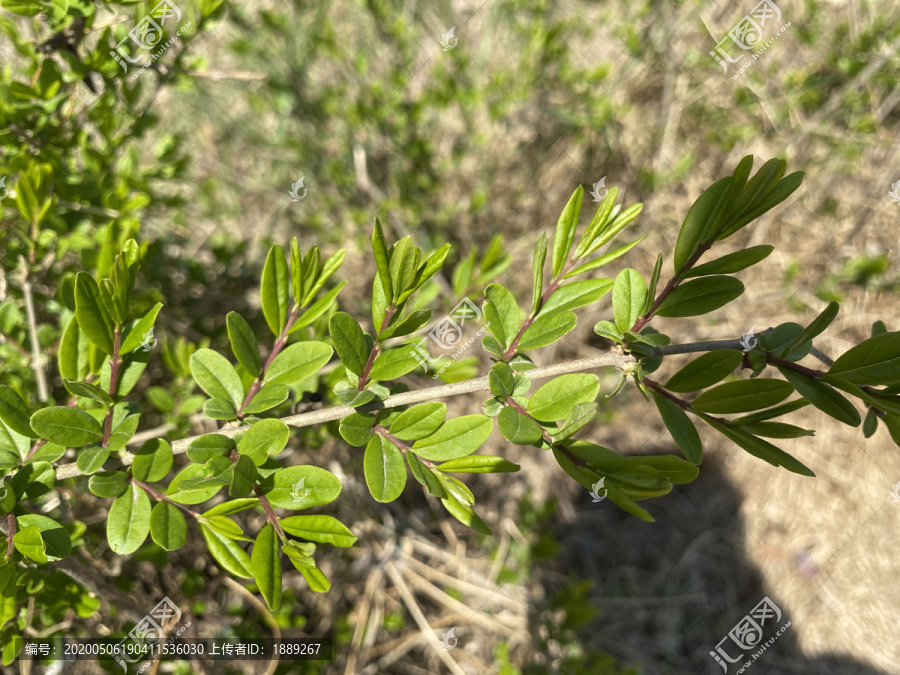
[115, 364]
[669, 287]
[384, 433]
[276, 349]
[159, 496]
[364, 377]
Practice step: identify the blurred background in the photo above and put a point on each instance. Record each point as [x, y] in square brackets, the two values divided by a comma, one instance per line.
[460, 122]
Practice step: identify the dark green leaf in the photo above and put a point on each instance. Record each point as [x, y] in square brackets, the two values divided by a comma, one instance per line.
[700, 296]
[243, 477]
[776, 430]
[167, 526]
[14, 412]
[273, 290]
[87, 390]
[266, 563]
[760, 448]
[380, 250]
[243, 343]
[680, 427]
[874, 361]
[696, 221]
[733, 262]
[823, 397]
[704, 371]
[815, 328]
[743, 395]
[70, 427]
[93, 318]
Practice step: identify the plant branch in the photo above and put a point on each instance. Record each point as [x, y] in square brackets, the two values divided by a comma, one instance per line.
[364, 376]
[551, 287]
[707, 346]
[114, 364]
[276, 349]
[809, 372]
[822, 356]
[11, 525]
[39, 375]
[159, 496]
[384, 433]
[669, 287]
[607, 359]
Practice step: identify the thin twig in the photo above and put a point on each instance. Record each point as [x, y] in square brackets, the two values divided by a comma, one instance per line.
[39, 375]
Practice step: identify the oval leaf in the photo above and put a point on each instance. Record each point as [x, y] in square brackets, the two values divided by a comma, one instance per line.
[69, 427]
[216, 376]
[455, 438]
[129, 521]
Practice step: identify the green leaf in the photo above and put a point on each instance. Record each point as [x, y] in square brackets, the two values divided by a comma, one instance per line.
[309, 269]
[73, 352]
[771, 413]
[108, 483]
[425, 476]
[167, 526]
[196, 494]
[579, 417]
[153, 461]
[226, 527]
[577, 294]
[465, 514]
[608, 330]
[299, 487]
[380, 250]
[733, 262]
[402, 265]
[872, 362]
[14, 412]
[273, 290]
[232, 506]
[349, 395]
[135, 332]
[393, 363]
[776, 430]
[265, 438]
[501, 313]
[93, 319]
[316, 579]
[33, 480]
[455, 438]
[501, 380]
[70, 427]
[219, 409]
[132, 368]
[696, 221]
[782, 190]
[87, 390]
[267, 398]
[760, 448]
[419, 421]
[408, 325]
[537, 273]
[297, 362]
[547, 329]
[556, 399]
[91, 460]
[317, 309]
[216, 376]
[29, 543]
[331, 266]
[565, 230]
[266, 563]
[243, 343]
[129, 521]
[604, 259]
[680, 427]
[349, 342]
[628, 295]
[356, 429]
[57, 542]
[385, 469]
[296, 272]
[598, 222]
[518, 428]
[479, 464]
[203, 448]
[320, 529]
[426, 270]
[654, 282]
[243, 477]
[743, 395]
[700, 296]
[814, 329]
[230, 556]
[609, 232]
[823, 397]
[705, 371]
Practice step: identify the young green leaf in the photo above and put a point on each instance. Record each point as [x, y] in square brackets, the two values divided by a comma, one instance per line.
[547, 329]
[479, 464]
[380, 250]
[243, 343]
[92, 316]
[317, 309]
[598, 222]
[219, 409]
[604, 259]
[29, 543]
[91, 460]
[167, 526]
[296, 272]
[578, 418]
[455, 438]
[349, 342]
[273, 290]
[136, 332]
[128, 523]
[654, 281]
[385, 469]
[331, 266]
[230, 556]
[402, 266]
[265, 438]
[216, 376]
[320, 529]
[537, 273]
[425, 476]
[410, 324]
[70, 427]
[299, 487]
[695, 223]
[680, 427]
[705, 371]
[297, 362]
[393, 363]
[628, 295]
[700, 296]
[555, 400]
[501, 313]
[419, 421]
[153, 461]
[14, 412]
[743, 395]
[266, 563]
[814, 329]
[267, 398]
[609, 232]
[465, 514]
[565, 230]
